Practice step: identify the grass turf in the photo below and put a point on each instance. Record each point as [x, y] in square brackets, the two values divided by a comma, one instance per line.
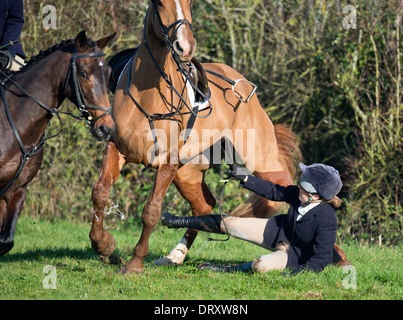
[81, 275]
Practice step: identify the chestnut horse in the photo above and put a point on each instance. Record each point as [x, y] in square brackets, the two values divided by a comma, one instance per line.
[161, 122]
[30, 98]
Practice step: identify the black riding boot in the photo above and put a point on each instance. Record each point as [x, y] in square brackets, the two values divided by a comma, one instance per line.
[209, 223]
[246, 267]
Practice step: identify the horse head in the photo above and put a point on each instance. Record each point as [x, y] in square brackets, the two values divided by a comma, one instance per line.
[88, 79]
[172, 21]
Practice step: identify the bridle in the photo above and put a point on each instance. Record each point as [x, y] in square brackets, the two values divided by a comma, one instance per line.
[81, 105]
[170, 115]
[165, 30]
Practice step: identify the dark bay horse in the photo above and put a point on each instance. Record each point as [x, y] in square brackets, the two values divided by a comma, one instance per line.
[154, 104]
[30, 98]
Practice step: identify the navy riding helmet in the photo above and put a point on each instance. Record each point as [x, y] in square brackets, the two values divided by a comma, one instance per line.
[321, 179]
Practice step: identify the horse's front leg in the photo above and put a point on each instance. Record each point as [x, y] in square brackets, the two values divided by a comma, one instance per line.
[189, 180]
[102, 242]
[10, 210]
[152, 212]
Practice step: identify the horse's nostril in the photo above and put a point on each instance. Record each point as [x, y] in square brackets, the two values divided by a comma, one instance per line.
[101, 132]
[177, 47]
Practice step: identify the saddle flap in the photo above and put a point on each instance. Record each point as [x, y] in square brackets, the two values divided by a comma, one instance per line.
[117, 63]
[202, 81]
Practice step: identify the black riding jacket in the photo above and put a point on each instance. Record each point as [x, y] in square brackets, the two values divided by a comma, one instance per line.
[311, 239]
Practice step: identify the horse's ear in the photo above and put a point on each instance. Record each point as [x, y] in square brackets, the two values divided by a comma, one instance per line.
[102, 43]
[81, 41]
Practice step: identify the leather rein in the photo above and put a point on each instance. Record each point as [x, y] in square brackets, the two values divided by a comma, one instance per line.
[81, 105]
[186, 73]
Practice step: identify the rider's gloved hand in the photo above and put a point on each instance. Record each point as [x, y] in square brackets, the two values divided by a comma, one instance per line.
[12, 51]
[6, 57]
[238, 173]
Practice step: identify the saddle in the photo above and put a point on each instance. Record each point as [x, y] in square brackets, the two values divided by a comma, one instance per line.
[194, 69]
[118, 63]
[198, 76]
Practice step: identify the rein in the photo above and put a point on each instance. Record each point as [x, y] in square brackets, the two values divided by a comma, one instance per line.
[82, 106]
[38, 147]
[180, 69]
[170, 115]
[186, 74]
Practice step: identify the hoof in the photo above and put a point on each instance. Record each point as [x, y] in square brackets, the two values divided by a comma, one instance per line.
[131, 267]
[175, 258]
[5, 247]
[105, 246]
[343, 263]
[165, 261]
[113, 259]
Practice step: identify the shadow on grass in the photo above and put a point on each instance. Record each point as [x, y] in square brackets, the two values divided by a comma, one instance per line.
[80, 254]
[65, 252]
[87, 254]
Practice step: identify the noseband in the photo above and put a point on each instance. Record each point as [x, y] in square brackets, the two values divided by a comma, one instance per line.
[82, 106]
[165, 30]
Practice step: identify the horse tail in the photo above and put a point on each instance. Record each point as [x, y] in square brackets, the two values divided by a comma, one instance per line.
[290, 153]
[290, 156]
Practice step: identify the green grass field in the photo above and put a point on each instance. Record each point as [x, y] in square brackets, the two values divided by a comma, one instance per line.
[81, 275]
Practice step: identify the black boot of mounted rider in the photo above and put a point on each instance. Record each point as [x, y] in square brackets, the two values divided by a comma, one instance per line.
[208, 223]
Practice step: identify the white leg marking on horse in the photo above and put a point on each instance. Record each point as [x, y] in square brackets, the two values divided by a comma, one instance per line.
[176, 256]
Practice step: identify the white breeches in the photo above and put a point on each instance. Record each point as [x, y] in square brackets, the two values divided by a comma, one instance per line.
[252, 230]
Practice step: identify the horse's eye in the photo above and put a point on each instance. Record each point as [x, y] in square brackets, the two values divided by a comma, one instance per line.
[159, 3]
[84, 74]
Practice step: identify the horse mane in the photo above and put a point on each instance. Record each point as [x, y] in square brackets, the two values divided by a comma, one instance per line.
[45, 53]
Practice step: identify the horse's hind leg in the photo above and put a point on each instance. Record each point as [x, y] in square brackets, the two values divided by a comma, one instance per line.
[9, 212]
[190, 184]
[102, 242]
[152, 212]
